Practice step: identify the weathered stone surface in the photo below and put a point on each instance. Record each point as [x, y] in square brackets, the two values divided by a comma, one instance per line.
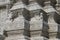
[52, 24]
[4, 2]
[36, 23]
[38, 38]
[29, 20]
[54, 39]
[18, 5]
[18, 23]
[34, 6]
[36, 33]
[3, 17]
[58, 1]
[18, 37]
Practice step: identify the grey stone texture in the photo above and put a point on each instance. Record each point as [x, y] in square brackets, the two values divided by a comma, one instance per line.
[29, 20]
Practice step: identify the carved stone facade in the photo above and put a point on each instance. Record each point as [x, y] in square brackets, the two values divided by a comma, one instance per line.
[29, 20]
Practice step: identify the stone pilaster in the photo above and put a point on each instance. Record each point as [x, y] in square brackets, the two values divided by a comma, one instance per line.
[17, 26]
[35, 14]
[36, 25]
[53, 26]
[3, 18]
[36, 21]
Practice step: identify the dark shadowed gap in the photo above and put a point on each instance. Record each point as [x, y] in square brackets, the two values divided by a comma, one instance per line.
[45, 25]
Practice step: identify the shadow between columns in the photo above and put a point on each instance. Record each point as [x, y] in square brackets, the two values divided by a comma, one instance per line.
[45, 25]
[27, 29]
[57, 20]
[26, 24]
[58, 33]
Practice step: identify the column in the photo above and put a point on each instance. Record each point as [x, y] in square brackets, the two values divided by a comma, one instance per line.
[16, 28]
[36, 27]
[36, 22]
[53, 26]
[3, 17]
[57, 18]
